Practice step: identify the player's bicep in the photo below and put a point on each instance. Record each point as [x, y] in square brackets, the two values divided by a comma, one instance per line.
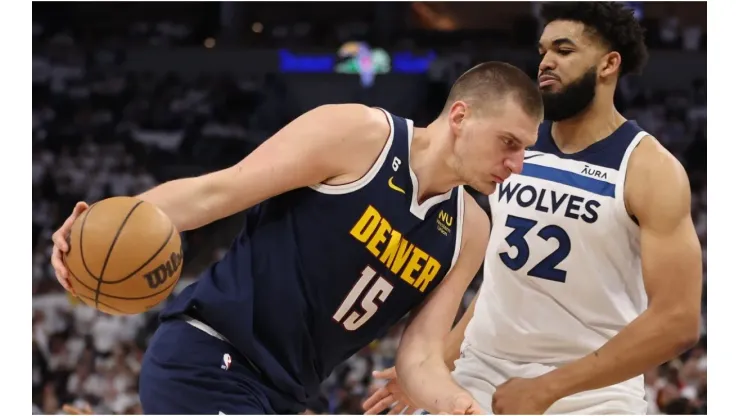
[321, 144]
[433, 320]
[672, 265]
[671, 252]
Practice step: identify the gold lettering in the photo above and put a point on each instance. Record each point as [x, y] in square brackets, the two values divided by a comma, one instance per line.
[379, 237]
[391, 249]
[413, 265]
[365, 226]
[403, 253]
[428, 274]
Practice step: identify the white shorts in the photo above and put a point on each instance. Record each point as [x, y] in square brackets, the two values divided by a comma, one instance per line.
[480, 374]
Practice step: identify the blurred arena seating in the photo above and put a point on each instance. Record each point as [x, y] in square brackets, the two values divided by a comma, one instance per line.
[124, 99]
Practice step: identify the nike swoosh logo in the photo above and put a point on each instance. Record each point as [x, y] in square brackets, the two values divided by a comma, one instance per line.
[531, 156]
[394, 187]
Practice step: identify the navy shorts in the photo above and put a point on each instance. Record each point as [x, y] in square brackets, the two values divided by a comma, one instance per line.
[187, 371]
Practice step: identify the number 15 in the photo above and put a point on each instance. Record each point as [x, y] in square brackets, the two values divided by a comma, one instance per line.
[378, 291]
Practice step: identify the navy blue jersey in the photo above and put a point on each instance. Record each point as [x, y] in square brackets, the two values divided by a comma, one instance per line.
[320, 272]
[609, 152]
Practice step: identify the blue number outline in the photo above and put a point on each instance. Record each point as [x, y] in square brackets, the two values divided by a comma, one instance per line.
[547, 267]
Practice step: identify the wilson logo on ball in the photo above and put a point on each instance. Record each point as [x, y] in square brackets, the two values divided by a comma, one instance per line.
[164, 271]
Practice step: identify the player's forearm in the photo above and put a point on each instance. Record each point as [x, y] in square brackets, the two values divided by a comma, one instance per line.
[453, 343]
[187, 202]
[454, 339]
[650, 340]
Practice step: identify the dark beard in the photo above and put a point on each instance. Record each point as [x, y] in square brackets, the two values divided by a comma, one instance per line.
[573, 99]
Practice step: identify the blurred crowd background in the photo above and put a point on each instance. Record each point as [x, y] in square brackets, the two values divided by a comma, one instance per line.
[129, 95]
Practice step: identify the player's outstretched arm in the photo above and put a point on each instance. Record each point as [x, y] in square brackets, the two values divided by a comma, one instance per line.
[657, 193]
[453, 341]
[391, 392]
[420, 362]
[331, 141]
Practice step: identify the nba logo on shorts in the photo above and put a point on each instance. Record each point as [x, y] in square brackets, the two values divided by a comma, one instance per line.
[226, 362]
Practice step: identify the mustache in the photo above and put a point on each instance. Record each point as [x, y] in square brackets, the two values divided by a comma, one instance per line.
[548, 74]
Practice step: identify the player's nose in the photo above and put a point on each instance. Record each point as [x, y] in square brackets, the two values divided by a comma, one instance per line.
[546, 64]
[515, 164]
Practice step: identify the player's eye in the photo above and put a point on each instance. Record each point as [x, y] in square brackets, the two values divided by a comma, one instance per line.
[565, 52]
[511, 143]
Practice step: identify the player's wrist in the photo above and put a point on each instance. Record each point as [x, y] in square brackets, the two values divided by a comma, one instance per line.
[452, 401]
[553, 387]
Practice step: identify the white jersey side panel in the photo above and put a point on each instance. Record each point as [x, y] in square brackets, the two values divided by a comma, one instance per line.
[562, 273]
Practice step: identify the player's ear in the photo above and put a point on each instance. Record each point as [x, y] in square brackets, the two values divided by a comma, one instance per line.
[458, 112]
[610, 64]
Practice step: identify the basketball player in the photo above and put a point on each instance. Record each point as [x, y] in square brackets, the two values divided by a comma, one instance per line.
[593, 274]
[363, 217]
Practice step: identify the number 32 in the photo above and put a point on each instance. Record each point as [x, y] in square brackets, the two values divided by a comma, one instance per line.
[545, 269]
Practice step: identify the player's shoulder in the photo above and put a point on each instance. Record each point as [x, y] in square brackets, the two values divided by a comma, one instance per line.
[653, 170]
[358, 135]
[653, 163]
[356, 122]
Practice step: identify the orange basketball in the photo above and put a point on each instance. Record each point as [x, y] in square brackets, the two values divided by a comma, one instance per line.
[125, 256]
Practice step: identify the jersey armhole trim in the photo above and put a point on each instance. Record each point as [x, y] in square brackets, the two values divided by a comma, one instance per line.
[368, 176]
[492, 203]
[459, 226]
[622, 179]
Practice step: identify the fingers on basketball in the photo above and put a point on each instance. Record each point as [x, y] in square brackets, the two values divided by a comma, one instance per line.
[80, 206]
[61, 237]
[125, 256]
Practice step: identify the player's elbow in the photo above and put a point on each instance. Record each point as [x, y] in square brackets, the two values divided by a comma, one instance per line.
[684, 329]
[410, 356]
[689, 333]
[415, 352]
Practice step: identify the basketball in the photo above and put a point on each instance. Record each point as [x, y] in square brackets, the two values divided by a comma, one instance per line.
[125, 256]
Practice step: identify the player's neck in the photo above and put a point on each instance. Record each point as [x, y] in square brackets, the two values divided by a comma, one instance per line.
[430, 164]
[595, 123]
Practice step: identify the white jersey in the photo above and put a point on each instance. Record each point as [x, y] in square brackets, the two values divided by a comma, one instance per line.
[562, 273]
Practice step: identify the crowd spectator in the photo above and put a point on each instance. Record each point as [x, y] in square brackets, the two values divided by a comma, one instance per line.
[100, 132]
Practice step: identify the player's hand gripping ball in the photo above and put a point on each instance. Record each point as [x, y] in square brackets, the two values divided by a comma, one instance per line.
[121, 255]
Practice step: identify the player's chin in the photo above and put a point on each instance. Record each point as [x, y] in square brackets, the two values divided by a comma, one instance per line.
[550, 89]
[485, 187]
